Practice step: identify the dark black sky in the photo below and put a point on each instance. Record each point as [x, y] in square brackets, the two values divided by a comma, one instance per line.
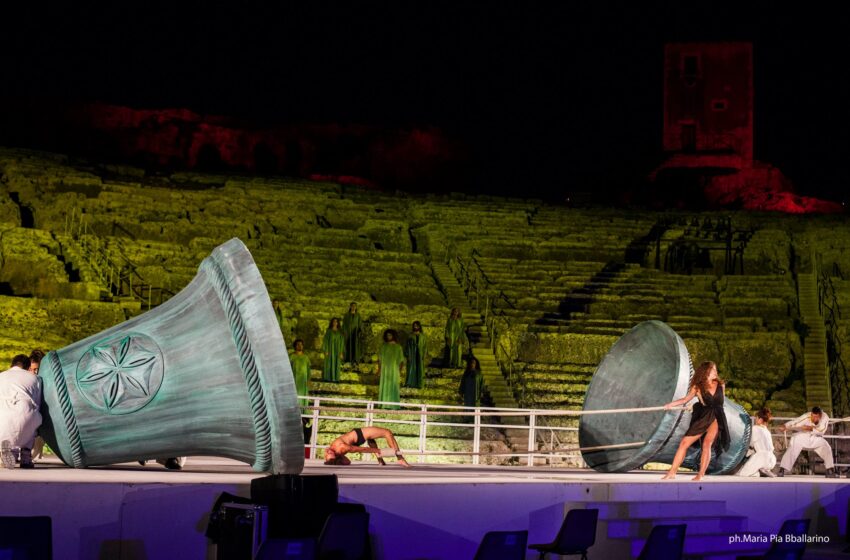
[548, 95]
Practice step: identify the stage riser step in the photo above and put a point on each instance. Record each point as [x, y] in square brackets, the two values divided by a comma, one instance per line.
[640, 528]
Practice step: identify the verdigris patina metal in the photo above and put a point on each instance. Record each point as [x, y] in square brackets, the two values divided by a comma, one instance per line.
[205, 373]
[649, 366]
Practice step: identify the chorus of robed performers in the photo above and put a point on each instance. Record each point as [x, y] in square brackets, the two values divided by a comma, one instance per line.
[396, 364]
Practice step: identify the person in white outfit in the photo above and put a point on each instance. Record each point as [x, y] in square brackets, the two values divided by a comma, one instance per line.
[35, 362]
[762, 459]
[20, 399]
[812, 428]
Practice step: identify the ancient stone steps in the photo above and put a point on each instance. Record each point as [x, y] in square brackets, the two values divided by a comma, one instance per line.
[818, 390]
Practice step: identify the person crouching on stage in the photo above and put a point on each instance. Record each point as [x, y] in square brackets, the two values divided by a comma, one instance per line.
[20, 399]
[762, 460]
[812, 427]
[708, 421]
[352, 442]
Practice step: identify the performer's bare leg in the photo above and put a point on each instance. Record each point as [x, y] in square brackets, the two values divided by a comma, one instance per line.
[705, 456]
[372, 432]
[686, 442]
[374, 445]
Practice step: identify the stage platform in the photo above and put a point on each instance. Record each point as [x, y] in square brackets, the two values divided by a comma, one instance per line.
[130, 512]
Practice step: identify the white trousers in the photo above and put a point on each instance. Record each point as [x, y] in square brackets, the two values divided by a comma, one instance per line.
[756, 461]
[18, 422]
[810, 442]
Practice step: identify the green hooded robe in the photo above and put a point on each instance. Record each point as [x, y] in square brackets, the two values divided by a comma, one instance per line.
[455, 339]
[415, 349]
[301, 372]
[351, 331]
[391, 358]
[332, 346]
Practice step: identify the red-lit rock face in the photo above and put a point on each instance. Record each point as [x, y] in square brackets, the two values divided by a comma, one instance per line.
[348, 153]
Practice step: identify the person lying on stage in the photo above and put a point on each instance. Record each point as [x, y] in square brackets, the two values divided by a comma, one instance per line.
[812, 427]
[762, 459]
[352, 442]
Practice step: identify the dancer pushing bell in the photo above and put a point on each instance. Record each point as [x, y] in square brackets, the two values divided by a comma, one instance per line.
[708, 421]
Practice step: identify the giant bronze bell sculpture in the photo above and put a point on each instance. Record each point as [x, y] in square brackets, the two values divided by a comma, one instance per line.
[649, 366]
[205, 373]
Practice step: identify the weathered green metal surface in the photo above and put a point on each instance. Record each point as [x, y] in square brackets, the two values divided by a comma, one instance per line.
[649, 366]
[206, 373]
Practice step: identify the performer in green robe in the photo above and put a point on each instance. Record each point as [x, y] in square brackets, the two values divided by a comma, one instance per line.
[301, 370]
[471, 385]
[332, 347]
[390, 364]
[417, 346]
[455, 339]
[351, 332]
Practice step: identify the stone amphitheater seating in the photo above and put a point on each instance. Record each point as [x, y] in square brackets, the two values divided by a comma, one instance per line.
[48, 324]
[547, 297]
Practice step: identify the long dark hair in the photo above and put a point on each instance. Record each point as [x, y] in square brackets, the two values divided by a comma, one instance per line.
[700, 378]
[338, 323]
[469, 363]
[392, 333]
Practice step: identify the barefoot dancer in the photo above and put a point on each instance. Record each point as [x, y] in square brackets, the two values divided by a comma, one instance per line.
[708, 421]
[352, 442]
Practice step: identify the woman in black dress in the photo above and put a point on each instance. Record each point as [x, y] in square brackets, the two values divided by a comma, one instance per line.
[708, 421]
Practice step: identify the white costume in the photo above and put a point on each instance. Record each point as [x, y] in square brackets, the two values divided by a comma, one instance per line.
[763, 457]
[20, 399]
[813, 440]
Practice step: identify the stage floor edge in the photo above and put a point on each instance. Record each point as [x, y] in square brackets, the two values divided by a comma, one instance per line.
[428, 511]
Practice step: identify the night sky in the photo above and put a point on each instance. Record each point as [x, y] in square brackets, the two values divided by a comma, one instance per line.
[547, 96]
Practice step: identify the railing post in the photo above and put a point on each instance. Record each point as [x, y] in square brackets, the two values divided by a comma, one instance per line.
[314, 429]
[370, 413]
[423, 431]
[476, 437]
[532, 444]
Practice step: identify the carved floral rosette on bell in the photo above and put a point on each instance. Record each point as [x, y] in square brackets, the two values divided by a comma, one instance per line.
[205, 373]
[649, 366]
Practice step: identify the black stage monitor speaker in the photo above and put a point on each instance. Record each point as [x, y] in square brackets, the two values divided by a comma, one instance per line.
[298, 505]
[243, 529]
[26, 538]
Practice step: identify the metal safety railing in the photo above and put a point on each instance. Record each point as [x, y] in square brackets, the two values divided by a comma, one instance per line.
[426, 416]
[831, 436]
[115, 272]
